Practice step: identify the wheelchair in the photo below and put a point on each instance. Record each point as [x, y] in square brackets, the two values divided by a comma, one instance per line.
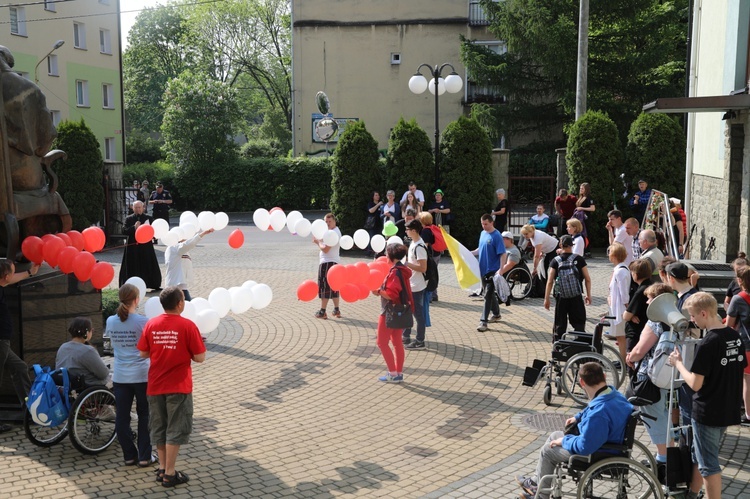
[519, 280]
[90, 424]
[569, 353]
[611, 472]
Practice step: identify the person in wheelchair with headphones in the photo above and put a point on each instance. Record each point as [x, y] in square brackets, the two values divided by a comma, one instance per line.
[602, 421]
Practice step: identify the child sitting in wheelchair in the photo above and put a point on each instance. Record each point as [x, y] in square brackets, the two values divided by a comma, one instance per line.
[80, 358]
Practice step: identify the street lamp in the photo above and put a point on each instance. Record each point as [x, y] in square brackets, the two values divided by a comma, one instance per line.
[438, 86]
[57, 45]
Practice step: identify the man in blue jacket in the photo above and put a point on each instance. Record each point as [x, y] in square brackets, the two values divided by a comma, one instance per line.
[602, 421]
[639, 201]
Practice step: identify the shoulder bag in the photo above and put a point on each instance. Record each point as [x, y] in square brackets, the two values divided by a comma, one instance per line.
[399, 315]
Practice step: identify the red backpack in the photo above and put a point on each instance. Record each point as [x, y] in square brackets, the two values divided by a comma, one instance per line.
[439, 244]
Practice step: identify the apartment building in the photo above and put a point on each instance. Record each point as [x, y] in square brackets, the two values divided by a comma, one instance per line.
[362, 54]
[81, 76]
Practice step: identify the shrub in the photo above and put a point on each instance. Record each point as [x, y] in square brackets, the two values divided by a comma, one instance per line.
[81, 174]
[594, 155]
[410, 158]
[110, 302]
[537, 159]
[656, 152]
[466, 172]
[354, 175]
[158, 171]
[140, 148]
[262, 148]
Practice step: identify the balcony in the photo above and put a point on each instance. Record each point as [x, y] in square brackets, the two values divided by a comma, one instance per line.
[477, 16]
[483, 94]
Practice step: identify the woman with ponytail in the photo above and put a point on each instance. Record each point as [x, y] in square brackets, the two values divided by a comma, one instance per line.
[130, 375]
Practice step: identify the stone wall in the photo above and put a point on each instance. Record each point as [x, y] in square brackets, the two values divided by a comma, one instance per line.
[500, 169]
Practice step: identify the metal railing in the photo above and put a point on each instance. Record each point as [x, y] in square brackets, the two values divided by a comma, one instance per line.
[477, 15]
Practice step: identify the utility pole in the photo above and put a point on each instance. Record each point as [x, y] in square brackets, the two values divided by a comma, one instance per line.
[583, 58]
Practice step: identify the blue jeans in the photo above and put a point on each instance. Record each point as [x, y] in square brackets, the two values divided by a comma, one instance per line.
[124, 394]
[418, 315]
[706, 444]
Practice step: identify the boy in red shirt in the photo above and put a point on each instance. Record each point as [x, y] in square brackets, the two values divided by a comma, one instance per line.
[171, 342]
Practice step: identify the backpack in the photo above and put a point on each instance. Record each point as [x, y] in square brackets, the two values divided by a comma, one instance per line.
[439, 245]
[567, 281]
[660, 372]
[431, 274]
[46, 405]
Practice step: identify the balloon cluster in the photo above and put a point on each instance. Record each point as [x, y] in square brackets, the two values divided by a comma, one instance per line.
[190, 225]
[353, 281]
[72, 252]
[207, 313]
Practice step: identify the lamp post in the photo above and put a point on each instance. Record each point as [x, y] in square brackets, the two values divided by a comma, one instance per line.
[57, 45]
[438, 86]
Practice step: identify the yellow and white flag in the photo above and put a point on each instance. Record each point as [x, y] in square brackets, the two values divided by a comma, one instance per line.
[464, 262]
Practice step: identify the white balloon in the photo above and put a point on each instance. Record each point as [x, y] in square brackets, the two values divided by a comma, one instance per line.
[161, 227]
[220, 300]
[189, 312]
[188, 230]
[395, 240]
[248, 284]
[303, 227]
[188, 217]
[330, 238]
[140, 284]
[319, 228]
[169, 239]
[346, 242]
[378, 243]
[208, 320]
[179, 232]
[278, 220]
[222, 220]
[262, 219]
[153, 307]
[262, 296]
[242, 299]
[361, 238]
[200, 304]
[206, 220]
[291, 220]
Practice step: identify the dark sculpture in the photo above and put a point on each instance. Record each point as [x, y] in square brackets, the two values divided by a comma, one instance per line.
[29, 202]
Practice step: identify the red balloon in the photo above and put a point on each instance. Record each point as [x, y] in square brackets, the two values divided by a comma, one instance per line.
[83, 264]
[275, 208]
[144, 234]
[307, 291]
[361, 273]
[349, 292]
[337, 277]
[32, 248]
[383, 259]
[52, 247]
[76, 238]
[66, 238]
[363, 291]
[375, 280]
[236, 239]
[93, 239]
[65, 259]
[102, 274]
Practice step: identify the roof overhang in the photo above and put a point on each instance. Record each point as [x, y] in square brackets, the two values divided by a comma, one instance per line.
[718, 103]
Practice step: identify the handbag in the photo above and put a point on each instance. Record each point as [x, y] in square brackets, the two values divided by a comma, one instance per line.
[370, 222]
[399, 316]
[643, 389]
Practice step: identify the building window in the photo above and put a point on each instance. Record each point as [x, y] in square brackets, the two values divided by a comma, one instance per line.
[395, 58]
[24, 74]
[107, 100]
[79, 35]
[109, 149]
[18, 21]
[50, 5]
[82, 93]
[52, 65]
[56, 117]
[105, 46]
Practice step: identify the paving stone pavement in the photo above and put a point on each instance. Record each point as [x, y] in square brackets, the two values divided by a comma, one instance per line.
[289, 405]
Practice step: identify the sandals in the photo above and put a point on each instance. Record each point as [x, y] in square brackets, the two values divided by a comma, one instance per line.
[146, 464]
[171, 480]
[130, 462]
[160, 475]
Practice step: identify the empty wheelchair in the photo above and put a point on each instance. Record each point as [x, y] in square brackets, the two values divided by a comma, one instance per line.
[90, 424]
[568, 355]
[610, 473]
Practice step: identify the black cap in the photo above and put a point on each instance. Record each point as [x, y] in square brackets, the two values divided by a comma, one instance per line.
[566, 241]
[678, 270]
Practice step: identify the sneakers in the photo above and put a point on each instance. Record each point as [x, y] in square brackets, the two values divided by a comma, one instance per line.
[528, 484]
[337, 313]
[482, 327]
[321, 314]
[405, 340]
[389, 378]
[495, 318]
[415, 345]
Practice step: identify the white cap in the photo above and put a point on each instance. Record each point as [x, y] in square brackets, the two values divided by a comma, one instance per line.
[508, 234]
[675, 200]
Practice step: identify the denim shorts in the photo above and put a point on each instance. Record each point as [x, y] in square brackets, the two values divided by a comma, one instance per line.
[705, 450]
[170, 418]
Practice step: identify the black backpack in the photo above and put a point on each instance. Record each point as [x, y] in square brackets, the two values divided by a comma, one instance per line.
[431, 274]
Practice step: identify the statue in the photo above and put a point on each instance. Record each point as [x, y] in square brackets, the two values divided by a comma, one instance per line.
[29, 201]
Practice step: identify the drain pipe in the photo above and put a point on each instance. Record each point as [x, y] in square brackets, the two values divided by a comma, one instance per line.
[690, 87]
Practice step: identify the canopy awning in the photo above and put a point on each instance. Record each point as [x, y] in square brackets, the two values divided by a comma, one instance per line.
[717, 103]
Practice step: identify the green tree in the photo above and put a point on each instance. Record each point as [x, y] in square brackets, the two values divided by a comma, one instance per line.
[140, 148]
[636, 54]
[355, 173]
[81, 174]
[656, 151]
[594, 154]
[410, 158]
[466, 172]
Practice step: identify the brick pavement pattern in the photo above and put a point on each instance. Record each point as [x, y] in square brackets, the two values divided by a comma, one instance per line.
[289, 405]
